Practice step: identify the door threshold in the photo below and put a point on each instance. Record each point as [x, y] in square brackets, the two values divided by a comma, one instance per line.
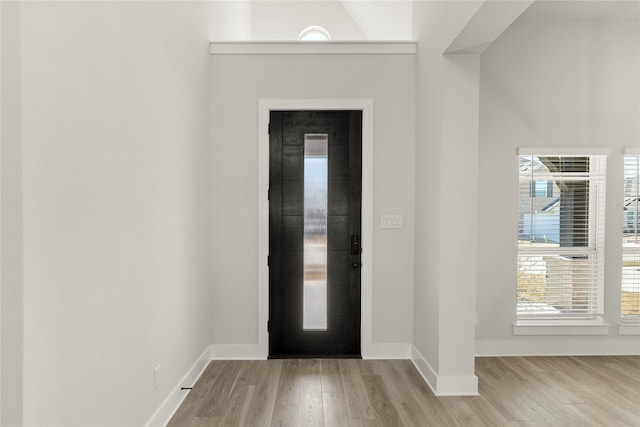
[315, 356]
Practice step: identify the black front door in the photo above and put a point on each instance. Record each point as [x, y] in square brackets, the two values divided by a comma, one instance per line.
[315, 198]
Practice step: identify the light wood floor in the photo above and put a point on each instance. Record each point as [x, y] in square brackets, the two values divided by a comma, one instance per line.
[514, 391]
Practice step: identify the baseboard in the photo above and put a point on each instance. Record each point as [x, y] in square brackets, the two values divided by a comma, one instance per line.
[444, 385]
[171, 404]
[560, 346]
[457, 385]
[424, 368]
[387, 351]
[255, 352]
[237, 352]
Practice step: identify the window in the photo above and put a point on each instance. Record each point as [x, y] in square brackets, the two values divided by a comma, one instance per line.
[314, 33]
[560, 237]
[316, 182]
[542, 188]
[630, 298]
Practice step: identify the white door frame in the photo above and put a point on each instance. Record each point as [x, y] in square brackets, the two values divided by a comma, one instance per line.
[265, 106]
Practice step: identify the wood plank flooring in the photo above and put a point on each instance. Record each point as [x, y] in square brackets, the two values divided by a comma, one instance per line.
[514, 391]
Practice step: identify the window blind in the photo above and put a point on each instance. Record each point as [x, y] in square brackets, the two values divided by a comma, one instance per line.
[630, 298]
[561, 236]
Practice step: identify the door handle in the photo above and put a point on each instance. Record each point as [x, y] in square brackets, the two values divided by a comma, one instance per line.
[355, 244]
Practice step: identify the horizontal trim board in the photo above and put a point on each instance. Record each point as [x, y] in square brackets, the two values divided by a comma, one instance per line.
[560, 346]
[629, 329]
[457, 385]
[563, 151]
[254, 351]
[315, 356]
[387, 351]
[559, 329]
[315, 104]
[632, 151]
[312, 48]
[237, 352]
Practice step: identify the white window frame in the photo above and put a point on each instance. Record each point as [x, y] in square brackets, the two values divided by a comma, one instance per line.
[588, 323]
[629, 325]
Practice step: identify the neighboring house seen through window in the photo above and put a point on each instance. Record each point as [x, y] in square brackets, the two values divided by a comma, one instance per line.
[561, 237]
[542, 188]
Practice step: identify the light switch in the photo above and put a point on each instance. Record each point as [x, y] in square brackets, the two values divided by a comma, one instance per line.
[391, 221]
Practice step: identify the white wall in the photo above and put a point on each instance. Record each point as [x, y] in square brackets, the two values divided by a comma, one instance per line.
[344, 20]
[115, 190]
[237, 84]
[382, 19]
[11, 293]
[559, 77]
[284, 20]
[230, 20]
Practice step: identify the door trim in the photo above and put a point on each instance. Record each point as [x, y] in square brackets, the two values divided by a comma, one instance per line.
[265, 106]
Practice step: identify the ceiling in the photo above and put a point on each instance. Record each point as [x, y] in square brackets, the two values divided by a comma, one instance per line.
[576, 10]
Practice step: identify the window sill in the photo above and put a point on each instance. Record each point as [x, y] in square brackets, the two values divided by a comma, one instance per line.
[564, 328]
[629, 329]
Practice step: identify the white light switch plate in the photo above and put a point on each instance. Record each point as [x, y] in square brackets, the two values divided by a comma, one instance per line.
[391, 221]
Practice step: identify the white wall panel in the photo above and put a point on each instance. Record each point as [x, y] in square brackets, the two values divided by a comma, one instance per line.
[561, 79]
[114, 148]
[238, 82]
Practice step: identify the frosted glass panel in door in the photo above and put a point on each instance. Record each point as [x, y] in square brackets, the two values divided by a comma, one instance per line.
[315, 231]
